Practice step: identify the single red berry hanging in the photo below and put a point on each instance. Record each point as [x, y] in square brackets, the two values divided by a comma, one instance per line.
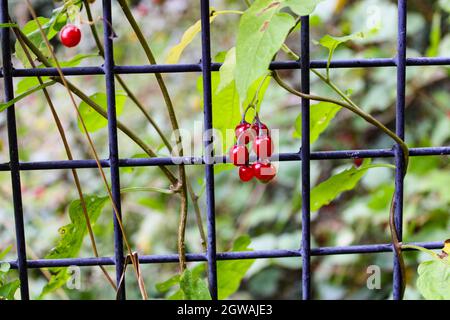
[264, 172]
[239, 155]
[246, 173]
[263, 147]
[242, 132]
[358, 162]
[261, 129]
[70, 35]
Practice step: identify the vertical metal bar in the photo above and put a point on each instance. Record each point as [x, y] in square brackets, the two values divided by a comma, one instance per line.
[305, 155]
[113, 144]
[400, 130]
[14, 155]
[209, 152]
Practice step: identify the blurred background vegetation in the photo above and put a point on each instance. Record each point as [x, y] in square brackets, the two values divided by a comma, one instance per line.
[270, 214]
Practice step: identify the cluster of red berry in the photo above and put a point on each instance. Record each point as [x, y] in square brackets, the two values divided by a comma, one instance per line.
[70, 35]
[262, 144]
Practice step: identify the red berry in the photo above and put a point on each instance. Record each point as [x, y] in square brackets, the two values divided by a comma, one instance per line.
[263, 147]
[242, 133]
[264, 172]
[261, 129]
[239, 155]
[70, 35]
[246, 173]
[358, 162]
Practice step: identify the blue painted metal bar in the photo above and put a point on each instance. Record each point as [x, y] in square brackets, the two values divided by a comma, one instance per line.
[113, 144]
[14, 154]
[305, 155]
[208, 149]
[235, 255]
[400, 131]
[170, 161]
[196, 67]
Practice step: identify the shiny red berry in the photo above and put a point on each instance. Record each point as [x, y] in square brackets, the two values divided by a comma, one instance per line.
[358, 162]
[243, 135]
[264, 172]
[239, 155]
[263, 147]
[70, 35]
[261, 129]
[246, 173]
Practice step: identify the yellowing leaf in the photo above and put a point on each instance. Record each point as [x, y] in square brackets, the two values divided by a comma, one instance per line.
[189, 35]
[446, 248]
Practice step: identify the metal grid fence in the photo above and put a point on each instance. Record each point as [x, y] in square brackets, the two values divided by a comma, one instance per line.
[206, 67]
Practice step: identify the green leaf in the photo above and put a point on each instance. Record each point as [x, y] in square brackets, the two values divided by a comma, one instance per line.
[321, 115]
[302, 7]
[435, 36]
[434, 279]
[5, 267]
[51, 26]
[196, 272]
[231, 272]
[193, 287]
[75, 61]
[189, 35]
[8, 25]
[168, 284]
[5, 105]
[31, 30]
[72, 236]
[8, 290]
[330, 189]
[178, 295]
[92, 119]
[28, 83]
[5, 251]
[331, 43]
[262, 31]
[227, 70]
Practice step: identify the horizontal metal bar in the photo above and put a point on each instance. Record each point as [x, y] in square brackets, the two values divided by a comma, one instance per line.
[169, 161]
[258, 254]
[196, 67]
